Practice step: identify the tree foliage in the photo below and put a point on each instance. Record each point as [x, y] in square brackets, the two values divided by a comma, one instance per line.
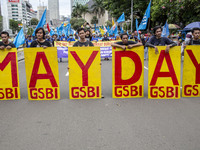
[14, 25]
[94, 20]
[98, 8]
[180, 12]
[77, 23]
[34, 21]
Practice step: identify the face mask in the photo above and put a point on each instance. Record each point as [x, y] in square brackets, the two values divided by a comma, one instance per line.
[87, 26]
[70, 37]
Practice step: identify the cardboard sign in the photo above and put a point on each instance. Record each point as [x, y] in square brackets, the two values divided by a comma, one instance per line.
[128, 72]
[42, 73]
[84, 73]
[9, 76]
[191, 72]
[164, 73]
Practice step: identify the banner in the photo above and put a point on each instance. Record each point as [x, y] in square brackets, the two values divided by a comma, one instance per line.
[70, 44]
[9, 83]
[105, 52]
[128, 72]
[191, 72]
[63, 44]
[42, 73]
[164, 73]
[84, 73]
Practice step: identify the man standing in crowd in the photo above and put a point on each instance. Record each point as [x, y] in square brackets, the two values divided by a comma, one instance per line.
[63, 38]
[40, 39]
[105, 38]
[82, 41]
[157, 40]
[29, 41]
[196, 34]
[5, 42]
[125, 42]
[70, 39]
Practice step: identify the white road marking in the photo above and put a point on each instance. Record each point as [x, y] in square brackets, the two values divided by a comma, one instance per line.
[146, 68]
[67, 74]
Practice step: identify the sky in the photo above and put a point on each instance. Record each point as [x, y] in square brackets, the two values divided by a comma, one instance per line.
[65, 6]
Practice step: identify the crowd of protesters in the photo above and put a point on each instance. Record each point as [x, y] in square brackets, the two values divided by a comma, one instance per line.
[85, 36]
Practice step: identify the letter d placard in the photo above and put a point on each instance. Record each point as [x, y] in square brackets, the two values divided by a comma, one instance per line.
[42, 73]
[84, 73]
[9, 76]
[128, 72]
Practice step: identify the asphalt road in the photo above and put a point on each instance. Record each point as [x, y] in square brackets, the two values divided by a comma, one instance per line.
[106, 124]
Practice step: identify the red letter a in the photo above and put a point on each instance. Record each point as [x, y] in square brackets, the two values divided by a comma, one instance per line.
[35, 76]
[157, 72]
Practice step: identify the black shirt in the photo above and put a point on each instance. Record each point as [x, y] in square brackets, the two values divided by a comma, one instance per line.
[194, 42]
[9, 44]
[36, 43]
[163, 41]
[88, 38]
[129, 43]
[81, 44]
[105, 39]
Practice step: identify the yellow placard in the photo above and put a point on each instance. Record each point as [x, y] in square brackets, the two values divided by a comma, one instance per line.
[128, 72]
[191, 72]
[9, 76]
[84, 73]
[42, 73]
[164, 73]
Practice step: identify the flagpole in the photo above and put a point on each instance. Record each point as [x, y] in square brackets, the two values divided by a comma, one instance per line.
[131, 16]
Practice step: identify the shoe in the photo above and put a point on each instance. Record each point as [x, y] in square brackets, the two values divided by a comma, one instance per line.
[102, 96]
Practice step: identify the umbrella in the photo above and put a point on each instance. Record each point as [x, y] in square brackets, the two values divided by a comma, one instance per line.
[173, 26]
[193, 25]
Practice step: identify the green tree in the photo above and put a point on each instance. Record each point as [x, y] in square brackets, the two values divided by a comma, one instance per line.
[94, 20]
[98, 8]
[34, 21]
[108, 23]
[30, 31]
[77, 23]
[76, 11]
[83, 10]
[177, 12]
[14, 25]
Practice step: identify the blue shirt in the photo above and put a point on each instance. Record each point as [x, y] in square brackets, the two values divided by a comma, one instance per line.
[70, 39]
[28, 43]
[63, 38]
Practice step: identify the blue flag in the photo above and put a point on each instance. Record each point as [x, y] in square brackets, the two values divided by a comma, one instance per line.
[42, 22]
[122, 31]
[165, 31]
[136, 22]
[19, 39]
[121, 18]
[51, 32]
[144, 22]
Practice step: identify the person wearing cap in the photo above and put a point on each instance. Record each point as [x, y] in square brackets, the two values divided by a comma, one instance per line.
[157, 40]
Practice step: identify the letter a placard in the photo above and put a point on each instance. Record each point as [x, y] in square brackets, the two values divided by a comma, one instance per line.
[164, 73]
[191, 72]
[84, 73]
[128, 72]
[9, 76]
[42, 73]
